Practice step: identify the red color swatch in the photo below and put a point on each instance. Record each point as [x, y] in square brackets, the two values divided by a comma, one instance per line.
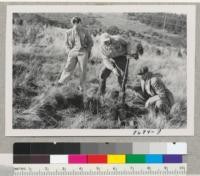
[97, 158]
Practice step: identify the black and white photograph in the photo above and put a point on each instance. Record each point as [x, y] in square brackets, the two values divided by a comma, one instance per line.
[100, 70]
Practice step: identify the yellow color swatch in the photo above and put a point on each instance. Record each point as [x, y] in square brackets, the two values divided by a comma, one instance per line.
[116, 159]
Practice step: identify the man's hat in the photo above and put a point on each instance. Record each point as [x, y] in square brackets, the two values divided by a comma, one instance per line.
[143, 70]
[140, 49]
[75, 19]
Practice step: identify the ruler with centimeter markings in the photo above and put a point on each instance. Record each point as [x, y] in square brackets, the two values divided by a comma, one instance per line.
[100, 170]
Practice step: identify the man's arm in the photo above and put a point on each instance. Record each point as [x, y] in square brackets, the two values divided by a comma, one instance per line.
[123, 44]
[134, 50]
[158, 86]
[110, 65]
[127, 47]
[160, 90]
[67, 44]
[90, 41]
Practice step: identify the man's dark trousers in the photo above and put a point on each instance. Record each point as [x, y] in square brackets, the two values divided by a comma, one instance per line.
[120, 65]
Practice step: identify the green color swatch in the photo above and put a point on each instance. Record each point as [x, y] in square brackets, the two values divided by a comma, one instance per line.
[135, 158]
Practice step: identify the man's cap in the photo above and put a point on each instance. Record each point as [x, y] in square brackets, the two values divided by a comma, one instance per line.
[75, 19]
[143, 70]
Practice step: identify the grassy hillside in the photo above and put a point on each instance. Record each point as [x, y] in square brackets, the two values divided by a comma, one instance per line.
[39, 56]
[173, 23]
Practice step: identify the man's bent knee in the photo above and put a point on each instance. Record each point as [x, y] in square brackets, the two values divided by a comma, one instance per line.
[162, 107]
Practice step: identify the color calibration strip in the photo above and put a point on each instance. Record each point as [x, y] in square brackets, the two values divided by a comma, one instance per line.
[100, 148]
[98, 159]
[102, 153]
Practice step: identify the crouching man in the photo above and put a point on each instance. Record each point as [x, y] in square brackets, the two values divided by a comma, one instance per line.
[153, 92]
[79, 44]
[114, 50]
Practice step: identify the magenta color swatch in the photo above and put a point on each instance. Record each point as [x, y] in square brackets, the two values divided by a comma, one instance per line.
[77, 159]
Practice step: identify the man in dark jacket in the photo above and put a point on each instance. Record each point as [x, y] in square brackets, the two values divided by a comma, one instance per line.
[153, 92]
[114, 50]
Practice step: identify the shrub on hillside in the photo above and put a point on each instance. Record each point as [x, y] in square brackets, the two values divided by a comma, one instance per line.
[113, 30]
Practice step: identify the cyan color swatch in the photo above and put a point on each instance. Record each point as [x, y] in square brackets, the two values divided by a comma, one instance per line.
[154, 158]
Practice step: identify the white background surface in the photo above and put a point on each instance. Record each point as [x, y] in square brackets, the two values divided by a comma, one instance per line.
[6, 143]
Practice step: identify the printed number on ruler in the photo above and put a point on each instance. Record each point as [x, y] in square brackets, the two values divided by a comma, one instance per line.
[100, 170]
